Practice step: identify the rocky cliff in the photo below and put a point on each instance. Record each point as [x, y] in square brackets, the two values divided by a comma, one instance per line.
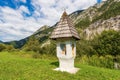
[101, 25]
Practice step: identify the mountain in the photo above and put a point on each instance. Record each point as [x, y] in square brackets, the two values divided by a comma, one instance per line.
[89, 23]
[1, 42]
[41, 29]
[18, 44]
[99, 26]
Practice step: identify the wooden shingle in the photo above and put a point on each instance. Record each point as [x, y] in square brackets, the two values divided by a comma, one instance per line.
[65, 29]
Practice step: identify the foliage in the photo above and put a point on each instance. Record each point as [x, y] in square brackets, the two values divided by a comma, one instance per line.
[118, 58]
[83, 23]
[4, 47]
[101, 51]
[110, 10]
[84, 48]
[32, 45]
[13, 67]
[99, 61]
[49, 49]
[17, 44]
[107, 43]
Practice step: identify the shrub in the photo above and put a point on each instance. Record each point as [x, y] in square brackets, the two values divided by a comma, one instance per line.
[10, 48]
[108, 43]
[83, 23]
[36, 55]
[2, 47]
[99, 61]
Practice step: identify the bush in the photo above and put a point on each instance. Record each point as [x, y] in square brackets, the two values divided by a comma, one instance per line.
[2, 47]
[83, 23]
[49, 49]
[36, 55]
[10, 48]
[32, 45]
[99, 61]
[108, 43]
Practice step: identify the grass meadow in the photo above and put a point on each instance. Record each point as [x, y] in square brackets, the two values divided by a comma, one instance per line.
[15, 67]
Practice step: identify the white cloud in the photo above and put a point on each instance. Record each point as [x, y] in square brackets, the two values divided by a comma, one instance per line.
[15, 26]
[52, 9]
[24, 9]
[23, 1]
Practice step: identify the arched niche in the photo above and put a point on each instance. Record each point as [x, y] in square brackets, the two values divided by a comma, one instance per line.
[63, 48]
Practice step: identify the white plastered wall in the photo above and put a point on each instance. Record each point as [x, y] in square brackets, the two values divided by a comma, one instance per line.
[66, 61]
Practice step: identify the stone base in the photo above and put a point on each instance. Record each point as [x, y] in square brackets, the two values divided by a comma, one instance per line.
[72, 71]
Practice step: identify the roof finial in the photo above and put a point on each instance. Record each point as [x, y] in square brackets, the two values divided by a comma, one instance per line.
[64, 13]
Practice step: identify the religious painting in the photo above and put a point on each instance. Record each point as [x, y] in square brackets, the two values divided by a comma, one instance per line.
[63, 48]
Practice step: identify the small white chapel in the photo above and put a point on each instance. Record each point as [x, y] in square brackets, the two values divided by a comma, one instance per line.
[66, 36]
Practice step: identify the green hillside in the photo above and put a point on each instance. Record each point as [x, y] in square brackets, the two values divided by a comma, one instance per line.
[14, 67]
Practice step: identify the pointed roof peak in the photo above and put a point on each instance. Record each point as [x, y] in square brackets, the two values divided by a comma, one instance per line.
[64, 14]
[65, 29]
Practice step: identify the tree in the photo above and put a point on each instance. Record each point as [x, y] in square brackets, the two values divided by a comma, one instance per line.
[32, 45]
[108, 43]
[2, 47]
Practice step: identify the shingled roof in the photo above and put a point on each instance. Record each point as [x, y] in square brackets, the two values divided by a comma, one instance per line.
[65, 29]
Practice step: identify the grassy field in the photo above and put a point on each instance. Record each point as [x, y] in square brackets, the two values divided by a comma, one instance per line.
[13, 67]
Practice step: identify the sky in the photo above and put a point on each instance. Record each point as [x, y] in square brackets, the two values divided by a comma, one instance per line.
[21, 18]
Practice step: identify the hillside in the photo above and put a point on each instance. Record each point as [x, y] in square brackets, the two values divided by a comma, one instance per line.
[89, 22]
[1, 42]
[99, 26]
[17, 44]
[14, 67]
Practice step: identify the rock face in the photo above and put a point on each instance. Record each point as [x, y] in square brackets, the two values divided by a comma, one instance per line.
[117, 0]
[101, 25]
[103, 16]
[90, 13]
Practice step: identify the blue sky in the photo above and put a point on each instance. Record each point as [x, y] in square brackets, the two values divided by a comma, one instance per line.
[21, 18]
[99, 1]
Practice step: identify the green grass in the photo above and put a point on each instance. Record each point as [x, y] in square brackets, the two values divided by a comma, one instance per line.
[14, 67]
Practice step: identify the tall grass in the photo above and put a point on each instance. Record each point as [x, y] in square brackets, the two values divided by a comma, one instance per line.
[14, 67]
[99, 61]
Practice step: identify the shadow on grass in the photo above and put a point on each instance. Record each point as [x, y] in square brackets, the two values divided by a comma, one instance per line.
[55, 63]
